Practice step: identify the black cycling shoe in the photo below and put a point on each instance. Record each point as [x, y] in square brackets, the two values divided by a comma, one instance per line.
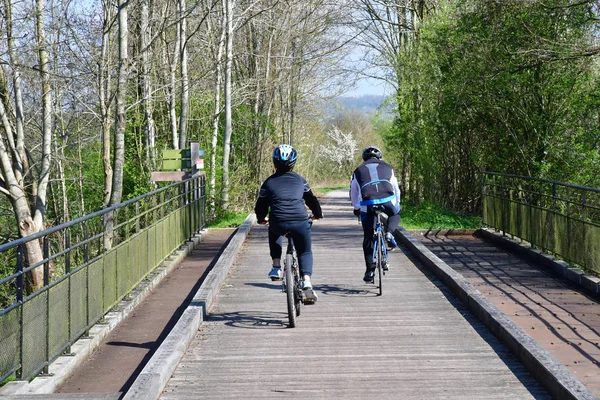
[385, 267]
[369, 276]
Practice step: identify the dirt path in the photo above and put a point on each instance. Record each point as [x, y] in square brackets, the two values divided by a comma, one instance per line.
[116, 363]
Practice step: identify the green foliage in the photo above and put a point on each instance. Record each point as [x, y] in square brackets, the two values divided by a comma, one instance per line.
[427, 215]
[228, 219]
[9, 379]
[497, 86]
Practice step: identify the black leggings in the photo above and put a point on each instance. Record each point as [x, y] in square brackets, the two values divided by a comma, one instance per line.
[368, 224]
[300, 233]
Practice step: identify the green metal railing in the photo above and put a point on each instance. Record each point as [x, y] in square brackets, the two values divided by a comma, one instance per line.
[560, 218]
[89, 278]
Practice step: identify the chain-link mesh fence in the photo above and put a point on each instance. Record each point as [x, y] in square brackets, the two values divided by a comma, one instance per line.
[556, 217]
[89, 266]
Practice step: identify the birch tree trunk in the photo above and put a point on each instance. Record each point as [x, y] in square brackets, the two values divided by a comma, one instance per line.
[120, 122]
[21, 165]
[184, 76]
[104, 90]
[217, 111]
[120, 115]
[40, 202]
[227, 136]
[18, 198]
[172, 85]
[145, 36]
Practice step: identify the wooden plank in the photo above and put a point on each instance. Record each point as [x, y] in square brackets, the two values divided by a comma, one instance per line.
[415, 342]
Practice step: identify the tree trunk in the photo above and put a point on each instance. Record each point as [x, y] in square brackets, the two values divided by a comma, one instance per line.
[217, 113]
[120, 122]
[227, 137]
[145, 36]
[172, 91]
[21, 165]
[184, 76]
[18, 199]
[44, 178]
[104, 90]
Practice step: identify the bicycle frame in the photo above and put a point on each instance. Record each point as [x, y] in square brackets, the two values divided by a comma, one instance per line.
[379, 240]
[379, 256]
[291, 283]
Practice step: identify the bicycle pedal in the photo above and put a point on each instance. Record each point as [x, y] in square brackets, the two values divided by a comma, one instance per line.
[308, 302]
[276, 279]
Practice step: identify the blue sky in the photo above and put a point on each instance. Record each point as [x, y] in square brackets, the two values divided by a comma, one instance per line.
[369, 86]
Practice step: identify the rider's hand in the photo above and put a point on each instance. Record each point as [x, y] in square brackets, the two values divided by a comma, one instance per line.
[356, 211]
[264, 222]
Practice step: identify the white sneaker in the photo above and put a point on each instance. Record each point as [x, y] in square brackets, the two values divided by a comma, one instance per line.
[310, 297]
[390, 240]
[276, 274]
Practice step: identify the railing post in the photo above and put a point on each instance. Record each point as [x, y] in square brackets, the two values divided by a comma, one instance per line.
[189, 185]
[86, 258]
[69, 282]
[46, 254]
[137, 217]
[19, 288]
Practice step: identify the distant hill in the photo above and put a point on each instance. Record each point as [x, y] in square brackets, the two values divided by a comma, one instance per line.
[367, 104]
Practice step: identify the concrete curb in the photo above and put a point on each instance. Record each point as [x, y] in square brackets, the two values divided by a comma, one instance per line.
[154, 377]
[64, 366]
[590, 283]
[554, 376]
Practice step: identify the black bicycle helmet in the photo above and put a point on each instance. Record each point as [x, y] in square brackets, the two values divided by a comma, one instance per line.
[285, 155]
[370, 152]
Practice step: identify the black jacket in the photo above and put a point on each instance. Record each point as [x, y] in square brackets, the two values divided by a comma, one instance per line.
[285, 193]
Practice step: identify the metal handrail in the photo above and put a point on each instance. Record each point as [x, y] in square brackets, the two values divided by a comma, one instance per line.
[95, 277]
[557, 217]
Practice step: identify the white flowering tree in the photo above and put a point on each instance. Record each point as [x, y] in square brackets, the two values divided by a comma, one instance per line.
[341, 147]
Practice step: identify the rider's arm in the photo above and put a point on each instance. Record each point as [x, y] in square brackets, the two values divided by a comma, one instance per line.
[355, 196]
[261, 208]
[394, 183]
[313, 203]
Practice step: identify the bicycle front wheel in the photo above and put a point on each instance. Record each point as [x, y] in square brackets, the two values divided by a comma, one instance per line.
[379, 264]
[290, 288]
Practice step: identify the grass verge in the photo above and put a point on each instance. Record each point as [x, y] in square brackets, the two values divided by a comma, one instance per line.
[423, 215]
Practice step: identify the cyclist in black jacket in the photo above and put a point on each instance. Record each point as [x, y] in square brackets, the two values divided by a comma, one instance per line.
[374, 182]
[282, 196]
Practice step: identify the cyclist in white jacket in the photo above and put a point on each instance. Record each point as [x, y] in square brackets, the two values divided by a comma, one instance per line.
[374, 183]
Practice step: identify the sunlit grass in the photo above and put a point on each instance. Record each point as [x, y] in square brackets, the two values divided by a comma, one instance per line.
[325, 190]
[425, 215]
[228, 219]
[9, 379]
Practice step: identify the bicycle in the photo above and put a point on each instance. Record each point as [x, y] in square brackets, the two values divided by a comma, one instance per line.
[291, 273]
[380, 257]
[291, 283]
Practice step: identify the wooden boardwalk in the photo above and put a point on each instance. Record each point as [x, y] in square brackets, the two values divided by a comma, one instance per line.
[415, 342]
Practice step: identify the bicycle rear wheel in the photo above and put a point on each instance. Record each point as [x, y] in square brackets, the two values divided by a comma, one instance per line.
[290, 289]
[379, 264]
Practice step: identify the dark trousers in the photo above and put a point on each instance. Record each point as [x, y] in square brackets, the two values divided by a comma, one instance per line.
[300, 234]
[368, 224]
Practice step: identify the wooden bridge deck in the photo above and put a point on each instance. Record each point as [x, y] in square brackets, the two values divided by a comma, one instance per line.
[416, 341]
